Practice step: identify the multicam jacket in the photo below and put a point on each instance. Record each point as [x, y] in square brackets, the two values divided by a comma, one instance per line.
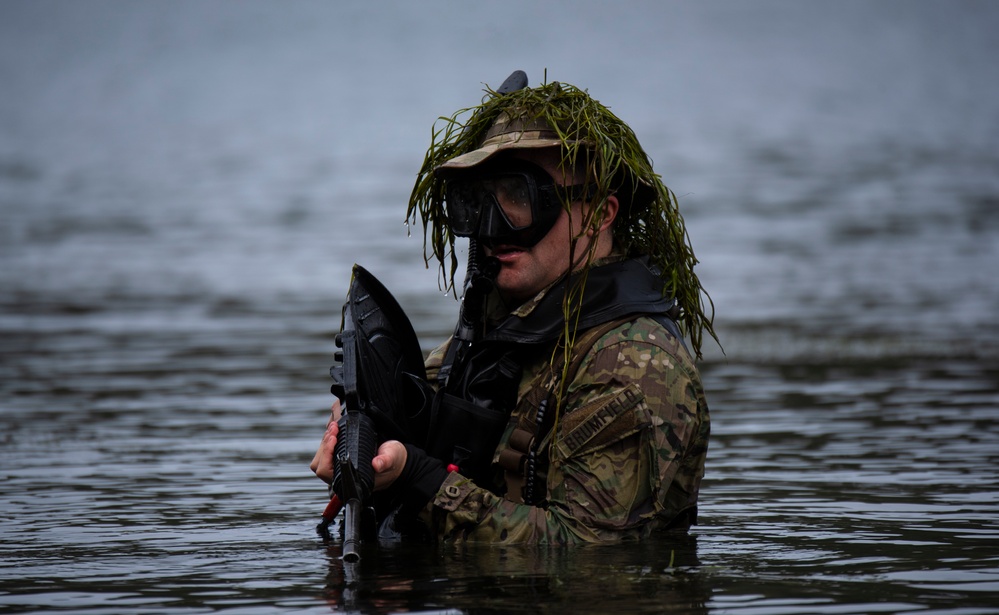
[625, 455]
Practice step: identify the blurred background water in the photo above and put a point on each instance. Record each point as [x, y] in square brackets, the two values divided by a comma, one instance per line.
[185, 185]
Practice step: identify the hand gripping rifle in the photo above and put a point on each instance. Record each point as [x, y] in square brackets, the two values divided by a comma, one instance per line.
[376, 375]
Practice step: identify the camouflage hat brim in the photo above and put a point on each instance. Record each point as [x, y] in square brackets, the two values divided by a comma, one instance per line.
[477, 157]
[503, 135]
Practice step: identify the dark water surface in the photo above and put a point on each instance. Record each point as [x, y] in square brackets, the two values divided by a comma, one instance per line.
[185, 185]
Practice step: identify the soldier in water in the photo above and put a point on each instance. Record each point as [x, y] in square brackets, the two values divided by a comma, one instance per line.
[570, 409]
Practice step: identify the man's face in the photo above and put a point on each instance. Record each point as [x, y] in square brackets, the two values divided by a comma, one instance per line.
[524, 272]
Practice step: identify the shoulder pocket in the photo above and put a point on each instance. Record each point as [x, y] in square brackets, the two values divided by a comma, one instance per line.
[603, 422]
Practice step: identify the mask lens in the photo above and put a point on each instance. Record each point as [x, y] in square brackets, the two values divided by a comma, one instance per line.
[464, 200]
[513, 194]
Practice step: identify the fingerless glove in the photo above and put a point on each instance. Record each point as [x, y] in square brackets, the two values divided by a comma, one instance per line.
[421, 477]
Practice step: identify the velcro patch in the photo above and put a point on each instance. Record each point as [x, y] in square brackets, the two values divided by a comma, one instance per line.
[603, 422]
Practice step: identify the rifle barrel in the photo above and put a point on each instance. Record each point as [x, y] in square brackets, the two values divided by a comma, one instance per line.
[352, 533]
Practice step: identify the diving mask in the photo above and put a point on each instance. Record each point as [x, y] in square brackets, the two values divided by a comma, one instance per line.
[514, 203]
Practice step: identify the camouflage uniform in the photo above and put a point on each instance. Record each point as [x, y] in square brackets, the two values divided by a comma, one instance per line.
[627, 453]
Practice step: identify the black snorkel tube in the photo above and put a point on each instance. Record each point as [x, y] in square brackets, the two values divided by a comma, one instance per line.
[479, 282]
[477, 386]
[480, 276]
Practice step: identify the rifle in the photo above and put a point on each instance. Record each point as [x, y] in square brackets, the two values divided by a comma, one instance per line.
[381, 365]
[376, 373]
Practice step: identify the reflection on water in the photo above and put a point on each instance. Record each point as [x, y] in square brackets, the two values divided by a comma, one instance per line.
[183, 192]
[650, 576]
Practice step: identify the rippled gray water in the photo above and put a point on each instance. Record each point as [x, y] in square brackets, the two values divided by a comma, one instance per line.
[184, 187]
